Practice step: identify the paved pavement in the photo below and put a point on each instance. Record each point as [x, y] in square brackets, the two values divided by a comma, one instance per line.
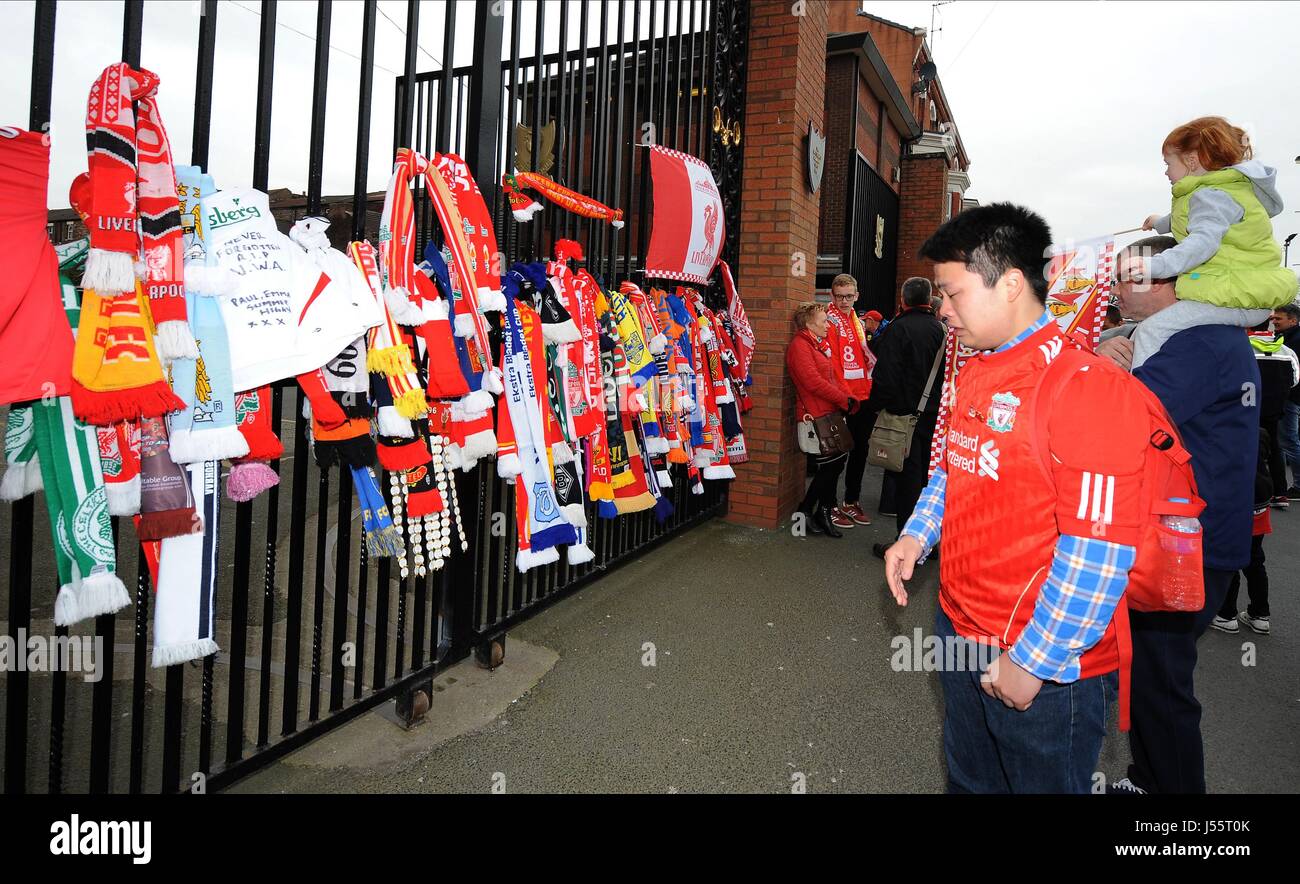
[771, 670]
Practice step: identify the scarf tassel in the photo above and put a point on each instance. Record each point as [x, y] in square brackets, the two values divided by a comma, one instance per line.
[663, 509]
[65, 607]
[580, 554]
[21, 479]
[169, 523]
[124, 497]
[101, 593]
[393, 424]
[183, 652]
[109, 273]
[720, 471]
[247, 480]
[174, 340]
[412, 404]
[390, 361]
[575, 514]
[104, 408]
[196, 446]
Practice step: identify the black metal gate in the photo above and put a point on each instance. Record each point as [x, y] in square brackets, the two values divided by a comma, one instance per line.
[871, 237]
[334, 634]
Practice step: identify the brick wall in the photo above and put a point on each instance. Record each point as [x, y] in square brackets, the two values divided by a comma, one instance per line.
[786, 88]
[838, 114]
[921, 202]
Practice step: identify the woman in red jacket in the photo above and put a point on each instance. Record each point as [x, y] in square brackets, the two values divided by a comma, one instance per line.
[819, 390]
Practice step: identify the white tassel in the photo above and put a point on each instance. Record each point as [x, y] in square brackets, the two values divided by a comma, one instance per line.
[617, 225]
[665, 478]
[575, 514]
[476, 404]
[480, 444]
[580, 554]
[524, 215]
[493, 381]
[174, 340]
[464, 325]
[509, 465]
[401, 309]
[659, 343]
[124, 497]
[21, 479]
[65, 607]
[702, 459]
[109, 273]
[561, 332]
[183, 652]
[391, 423]
[196, 446]
[451, 456]
[721, 471]
[491, 301]
[101, 593]
[561, 452]
[438, 309]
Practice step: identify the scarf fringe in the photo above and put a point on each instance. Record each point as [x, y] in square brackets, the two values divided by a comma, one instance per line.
[663, 509]
[641, 502]
[491, 300]
[390, 361]
[401, 308]
[124, 497]
[174, 340]
[412, 404]
[424, 503]
[265, 446]
[509, 465]
[109, 273]
[451, 456]
[525, 214]
[476, 404]
[183, 652]
[493, 381]
[478, 445]
[21, 479]
[101, 593]
[561, 332]
[381, 542]
[658, 343]
[402, 457]
[527, 558]
[104, 408]
[697, 488]
[561, 452]
[464, 325]
[169, 523]
[65, 607]
[247, 480]
[718, 471]
[196, 446]
[580, 554]
[575, 514]
[606, 509]
[665, 478]
[393, 424]
[657, 445]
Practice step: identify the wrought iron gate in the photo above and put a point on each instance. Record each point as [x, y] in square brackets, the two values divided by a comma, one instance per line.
[871, 237]
[312, 632]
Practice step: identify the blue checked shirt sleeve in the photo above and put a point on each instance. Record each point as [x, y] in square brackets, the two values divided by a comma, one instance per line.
[927, 517]
[1087, 579]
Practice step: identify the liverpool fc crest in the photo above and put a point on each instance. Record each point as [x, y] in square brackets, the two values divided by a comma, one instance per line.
[1002, 413]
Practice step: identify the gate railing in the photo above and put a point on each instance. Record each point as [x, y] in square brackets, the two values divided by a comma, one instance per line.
[335, 634]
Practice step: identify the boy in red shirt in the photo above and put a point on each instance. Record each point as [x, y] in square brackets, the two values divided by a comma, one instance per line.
[1035, 559]
[848, 341]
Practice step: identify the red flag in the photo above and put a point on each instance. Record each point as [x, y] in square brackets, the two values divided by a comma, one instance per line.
[688, 229]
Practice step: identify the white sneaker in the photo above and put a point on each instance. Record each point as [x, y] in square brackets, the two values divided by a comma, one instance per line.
[1225, 624]
[1124, 787]
[1257, 624]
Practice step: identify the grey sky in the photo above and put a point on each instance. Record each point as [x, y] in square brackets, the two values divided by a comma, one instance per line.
[1063, 105]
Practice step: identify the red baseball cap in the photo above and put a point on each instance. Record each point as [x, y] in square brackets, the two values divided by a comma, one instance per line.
[873, 314]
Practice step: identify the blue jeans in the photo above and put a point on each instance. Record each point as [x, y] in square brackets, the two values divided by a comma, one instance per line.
[1051, 747]
[1289, 437]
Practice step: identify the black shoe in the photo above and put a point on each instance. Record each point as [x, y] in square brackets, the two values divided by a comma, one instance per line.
[1293, 493]
[821, 522]
[878, 549]
[886, 511]
[810, 519]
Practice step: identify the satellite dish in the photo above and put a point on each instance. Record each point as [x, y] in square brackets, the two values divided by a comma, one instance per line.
[929, 71]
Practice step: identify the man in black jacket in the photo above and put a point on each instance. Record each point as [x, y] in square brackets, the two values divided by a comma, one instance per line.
[905, 356]
[1287, 322]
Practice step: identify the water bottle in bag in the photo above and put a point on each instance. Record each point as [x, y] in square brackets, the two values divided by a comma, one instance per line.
[1181, 581]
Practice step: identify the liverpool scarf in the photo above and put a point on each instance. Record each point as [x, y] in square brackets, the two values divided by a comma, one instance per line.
[524, 207]
[184, 622]
[132, 203]
[484, 256]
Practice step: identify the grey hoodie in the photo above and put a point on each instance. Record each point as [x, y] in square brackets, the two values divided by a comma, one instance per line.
[1210, 212]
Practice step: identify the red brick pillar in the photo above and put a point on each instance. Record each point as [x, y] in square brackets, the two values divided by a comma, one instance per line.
[922, 192]
[778, 242]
